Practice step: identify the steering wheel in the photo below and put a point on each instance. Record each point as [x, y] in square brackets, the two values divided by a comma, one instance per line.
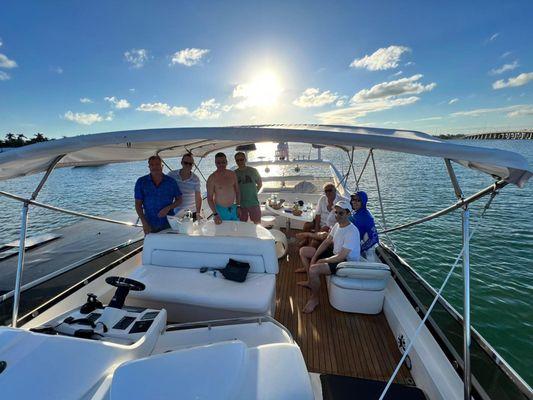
[126, 283]
[123, 285]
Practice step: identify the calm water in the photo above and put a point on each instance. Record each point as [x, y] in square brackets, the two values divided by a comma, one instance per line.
[411, 186]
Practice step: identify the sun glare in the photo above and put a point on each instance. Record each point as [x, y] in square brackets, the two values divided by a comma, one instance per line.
[262, 91]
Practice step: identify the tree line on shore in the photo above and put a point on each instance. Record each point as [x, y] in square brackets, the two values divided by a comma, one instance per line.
[12, 140]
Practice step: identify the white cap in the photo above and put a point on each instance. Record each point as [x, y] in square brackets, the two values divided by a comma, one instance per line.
[345, 204]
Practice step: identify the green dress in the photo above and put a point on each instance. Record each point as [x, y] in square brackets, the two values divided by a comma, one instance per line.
[248, 178]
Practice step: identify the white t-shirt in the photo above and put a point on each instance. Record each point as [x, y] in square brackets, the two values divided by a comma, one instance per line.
[346, 238]
[188, 188]
[327, 218]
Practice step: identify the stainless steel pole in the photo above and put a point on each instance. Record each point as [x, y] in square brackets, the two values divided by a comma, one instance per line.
[466, 302]
[22, 240]
[20, 263]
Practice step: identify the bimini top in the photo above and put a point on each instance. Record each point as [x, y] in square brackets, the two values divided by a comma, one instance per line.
[124, 146]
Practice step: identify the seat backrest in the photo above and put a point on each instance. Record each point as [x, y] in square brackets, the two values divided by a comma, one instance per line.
[182, 251]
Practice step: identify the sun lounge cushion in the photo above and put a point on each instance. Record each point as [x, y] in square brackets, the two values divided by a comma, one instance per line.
[189, 286]
[226, 370]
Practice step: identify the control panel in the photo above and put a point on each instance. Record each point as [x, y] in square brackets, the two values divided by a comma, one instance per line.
[121, 326]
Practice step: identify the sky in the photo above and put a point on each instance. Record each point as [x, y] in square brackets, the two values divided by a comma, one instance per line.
[78, 67]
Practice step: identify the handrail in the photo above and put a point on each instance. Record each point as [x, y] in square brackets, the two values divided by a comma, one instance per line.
[461, 203]
[65, 211]
[229, 321]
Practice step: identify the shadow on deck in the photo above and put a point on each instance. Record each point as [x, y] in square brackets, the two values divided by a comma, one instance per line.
[335, 342]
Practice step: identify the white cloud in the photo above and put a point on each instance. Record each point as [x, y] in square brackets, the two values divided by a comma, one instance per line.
[349, 115]
[341, 102]
[85, 100]
[519, 80]
[57, 70]
[1, 43]
[136, 57]
[381, 59]
[512, 111]
[494, 36]
[454, 100]
[118, 103]
[208, 109]
[311, 97]
[163, 108]
[5, 62]
[409, 63]
[132, 90]
[428, 119]
[189, 57]
[87, 119]
[4, 76]
[506, 54]
[398, 87]
[503, 68]
[397, 73]
[526, 110]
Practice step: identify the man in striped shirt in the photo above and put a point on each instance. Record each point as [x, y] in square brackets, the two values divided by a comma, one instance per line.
[189, 185]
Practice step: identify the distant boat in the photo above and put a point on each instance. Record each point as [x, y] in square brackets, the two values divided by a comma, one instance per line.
[91, 165]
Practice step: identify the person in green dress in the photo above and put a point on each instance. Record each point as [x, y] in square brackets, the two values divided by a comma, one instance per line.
[249, 185]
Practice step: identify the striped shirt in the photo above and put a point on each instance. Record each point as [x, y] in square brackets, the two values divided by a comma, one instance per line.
[188, 188]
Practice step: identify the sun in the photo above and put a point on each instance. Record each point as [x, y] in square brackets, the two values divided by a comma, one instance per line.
[262, 91]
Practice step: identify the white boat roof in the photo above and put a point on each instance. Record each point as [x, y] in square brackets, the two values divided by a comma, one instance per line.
[135, 145]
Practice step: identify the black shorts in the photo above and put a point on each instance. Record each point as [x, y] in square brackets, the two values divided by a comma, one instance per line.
[329, 253]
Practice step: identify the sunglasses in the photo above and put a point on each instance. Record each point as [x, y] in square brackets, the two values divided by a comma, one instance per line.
[187, 163]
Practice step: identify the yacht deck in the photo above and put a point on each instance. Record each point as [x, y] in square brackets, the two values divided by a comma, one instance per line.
[335, 342]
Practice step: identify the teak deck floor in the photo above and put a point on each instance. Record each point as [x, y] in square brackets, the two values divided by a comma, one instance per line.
[332, 341]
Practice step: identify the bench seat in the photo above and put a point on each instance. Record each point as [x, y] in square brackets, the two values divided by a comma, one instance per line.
[170, 271]
[189, 286]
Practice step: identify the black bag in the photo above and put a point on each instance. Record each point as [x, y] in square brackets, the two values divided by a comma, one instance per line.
[235, 270]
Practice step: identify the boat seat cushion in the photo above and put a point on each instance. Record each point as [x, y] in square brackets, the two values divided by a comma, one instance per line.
[225, 370]
[359, 275]
[183, 251]
[189, 286]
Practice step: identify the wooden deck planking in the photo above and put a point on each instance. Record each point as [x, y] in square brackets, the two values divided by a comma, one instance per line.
[332, 341]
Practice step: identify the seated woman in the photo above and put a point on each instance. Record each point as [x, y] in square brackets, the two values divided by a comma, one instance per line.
[364, 221]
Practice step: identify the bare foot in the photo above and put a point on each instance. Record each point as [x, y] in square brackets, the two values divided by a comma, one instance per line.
[311, 305]
[300, 270]
[305, 284]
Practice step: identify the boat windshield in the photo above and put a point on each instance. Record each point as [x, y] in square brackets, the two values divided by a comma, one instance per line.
[294, 176]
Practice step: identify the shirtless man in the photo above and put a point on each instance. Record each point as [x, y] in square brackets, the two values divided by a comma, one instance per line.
[223, 194]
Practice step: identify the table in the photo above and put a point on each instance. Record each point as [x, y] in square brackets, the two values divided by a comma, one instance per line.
[307, 216]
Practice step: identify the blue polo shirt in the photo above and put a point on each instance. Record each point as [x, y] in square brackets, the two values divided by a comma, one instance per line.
[155, 198]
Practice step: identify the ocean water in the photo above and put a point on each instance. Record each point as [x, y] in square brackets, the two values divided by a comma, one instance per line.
[411, 187]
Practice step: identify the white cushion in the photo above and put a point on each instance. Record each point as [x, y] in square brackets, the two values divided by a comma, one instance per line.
[183, 251]
[189, 286]
[359, 275]
[364, 265]
[226, 370]
[360, 284]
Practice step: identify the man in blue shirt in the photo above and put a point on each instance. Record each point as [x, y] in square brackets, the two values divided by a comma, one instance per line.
[156, 196]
